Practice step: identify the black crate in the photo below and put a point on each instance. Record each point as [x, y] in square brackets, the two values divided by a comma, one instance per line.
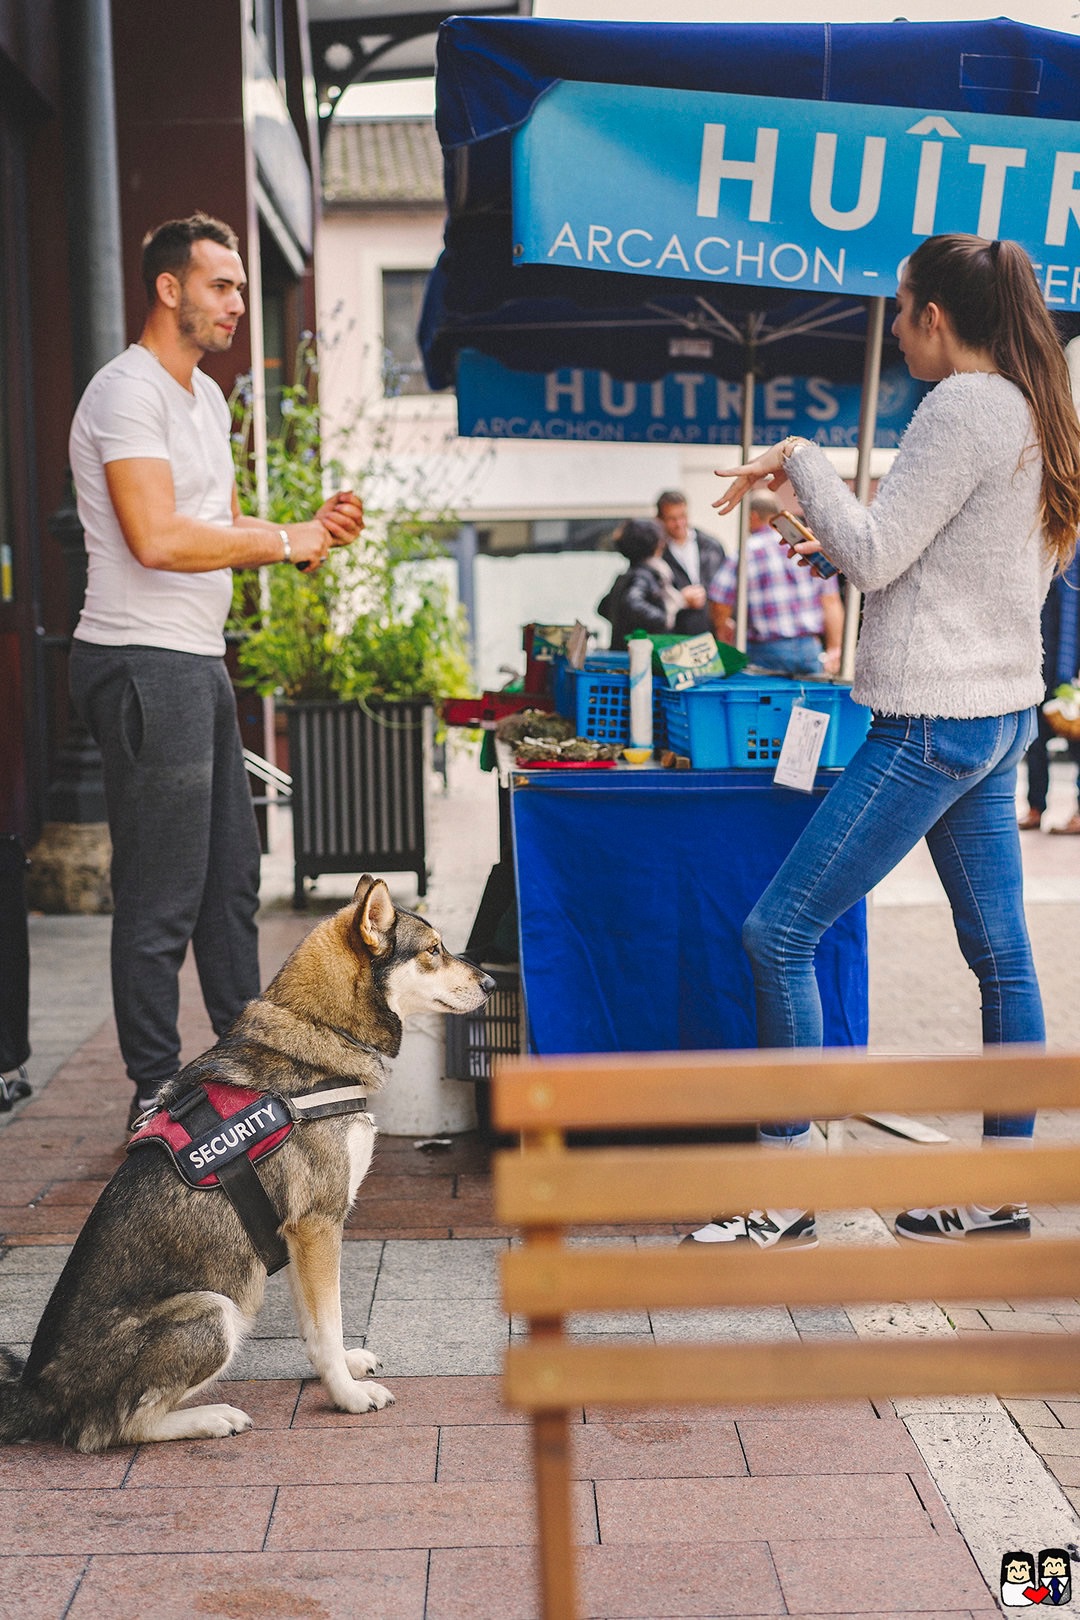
[474, 1040]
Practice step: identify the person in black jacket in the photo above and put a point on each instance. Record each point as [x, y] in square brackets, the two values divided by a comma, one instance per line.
[645, 597]
[693, 558]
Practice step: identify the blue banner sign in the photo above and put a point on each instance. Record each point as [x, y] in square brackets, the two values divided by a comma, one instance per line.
[574, 405]
[762, 191]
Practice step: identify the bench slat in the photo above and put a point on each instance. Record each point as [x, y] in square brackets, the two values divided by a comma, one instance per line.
[653, 1089]
[591, 1186]
[552, 1377]
[622, 1278]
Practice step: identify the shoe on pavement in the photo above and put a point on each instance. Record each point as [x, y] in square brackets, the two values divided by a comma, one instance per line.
[946, 1225]
[1070, 829]
[1030, 821]
[765, 1228]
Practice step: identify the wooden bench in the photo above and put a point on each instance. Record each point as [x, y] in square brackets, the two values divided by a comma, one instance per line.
[546, 1188]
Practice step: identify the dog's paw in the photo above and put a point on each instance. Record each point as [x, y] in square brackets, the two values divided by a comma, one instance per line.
[364, 1397]
[362, 1362]
[215, 1422]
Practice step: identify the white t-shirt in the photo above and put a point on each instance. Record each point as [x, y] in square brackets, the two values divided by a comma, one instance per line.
[687, 554]
[133, 408]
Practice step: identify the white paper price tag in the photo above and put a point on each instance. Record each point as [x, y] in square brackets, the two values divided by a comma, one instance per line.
[803, 741]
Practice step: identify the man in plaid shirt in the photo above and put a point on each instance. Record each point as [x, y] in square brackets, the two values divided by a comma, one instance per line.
[790, 610]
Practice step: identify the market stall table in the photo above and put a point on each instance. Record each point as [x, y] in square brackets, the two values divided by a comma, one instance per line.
[632, 887]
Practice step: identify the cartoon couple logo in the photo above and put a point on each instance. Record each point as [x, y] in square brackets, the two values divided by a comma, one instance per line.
[1026, 1580]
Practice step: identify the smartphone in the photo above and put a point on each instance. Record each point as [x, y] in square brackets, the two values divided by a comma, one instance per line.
[793, 532]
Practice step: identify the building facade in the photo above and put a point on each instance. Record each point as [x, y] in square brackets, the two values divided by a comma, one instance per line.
[115, 115]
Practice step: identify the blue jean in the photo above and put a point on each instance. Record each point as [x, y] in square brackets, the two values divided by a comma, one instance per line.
[795, 655]
[952, 782]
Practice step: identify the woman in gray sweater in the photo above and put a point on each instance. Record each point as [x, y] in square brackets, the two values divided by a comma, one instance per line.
[955, 556]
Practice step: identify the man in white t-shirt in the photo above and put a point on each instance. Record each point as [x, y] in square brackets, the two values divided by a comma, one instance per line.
[152, 465]
[693, 558]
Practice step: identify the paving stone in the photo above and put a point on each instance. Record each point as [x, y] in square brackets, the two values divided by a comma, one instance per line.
[291, 1457]
[1033, 1414]
[825, 1321]
[443, 1401]
[43, 1467]
[441, 1270]
[1055, 1442]
[827, 1445]
[651, 1447]
[1067, 1412]
[724, 1323]
[455, 1515]
[1022, 1322]
[613, 1581]
[271, 1358]
[38, 1588]
[270, 1403]
[292, 1586]
[996, 1487]
[740, 1509]
[852, 1576]
[166, 1521]
[972, 1320]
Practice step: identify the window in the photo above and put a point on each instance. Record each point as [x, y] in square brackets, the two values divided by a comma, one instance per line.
[267, 23]
[402, 295]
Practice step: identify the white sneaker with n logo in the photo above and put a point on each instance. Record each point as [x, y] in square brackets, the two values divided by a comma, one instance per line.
[945, 1224]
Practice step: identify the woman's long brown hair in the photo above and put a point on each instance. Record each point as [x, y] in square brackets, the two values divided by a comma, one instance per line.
[989, 292]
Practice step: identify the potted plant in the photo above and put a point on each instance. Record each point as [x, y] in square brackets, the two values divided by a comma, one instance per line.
[357, 653]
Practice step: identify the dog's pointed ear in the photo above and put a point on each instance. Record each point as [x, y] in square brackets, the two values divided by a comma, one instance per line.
[375, 915]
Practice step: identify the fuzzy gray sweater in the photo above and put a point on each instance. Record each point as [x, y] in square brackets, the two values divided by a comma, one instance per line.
[950, 554]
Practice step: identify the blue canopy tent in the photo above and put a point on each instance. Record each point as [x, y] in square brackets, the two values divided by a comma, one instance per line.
[493, 73]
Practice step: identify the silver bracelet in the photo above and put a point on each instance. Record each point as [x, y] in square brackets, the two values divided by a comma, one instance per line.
[286, 547]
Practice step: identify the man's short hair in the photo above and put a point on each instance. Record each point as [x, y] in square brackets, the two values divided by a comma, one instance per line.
[168, 247]
[669, 497]
[762, 501]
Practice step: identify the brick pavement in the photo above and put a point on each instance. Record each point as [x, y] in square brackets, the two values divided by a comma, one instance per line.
[424, 1510]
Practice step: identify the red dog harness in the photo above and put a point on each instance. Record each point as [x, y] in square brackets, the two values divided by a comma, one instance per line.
[215, 1133]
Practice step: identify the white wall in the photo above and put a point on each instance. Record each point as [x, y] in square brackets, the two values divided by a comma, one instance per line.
[541, 589]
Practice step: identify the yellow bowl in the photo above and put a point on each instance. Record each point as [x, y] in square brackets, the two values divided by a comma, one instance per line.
[637, 756]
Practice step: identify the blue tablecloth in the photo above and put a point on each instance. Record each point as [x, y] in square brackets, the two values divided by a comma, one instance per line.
[632, 889]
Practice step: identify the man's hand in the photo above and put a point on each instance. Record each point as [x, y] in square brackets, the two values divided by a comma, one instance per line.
[694, 596]
[342, 516]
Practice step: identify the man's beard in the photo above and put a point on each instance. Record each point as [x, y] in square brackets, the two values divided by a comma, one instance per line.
[196, 327]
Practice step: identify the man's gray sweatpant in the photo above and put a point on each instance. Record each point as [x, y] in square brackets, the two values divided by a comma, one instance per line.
[185, 857]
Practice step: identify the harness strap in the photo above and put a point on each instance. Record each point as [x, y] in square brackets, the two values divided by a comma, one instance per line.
[240, 1182]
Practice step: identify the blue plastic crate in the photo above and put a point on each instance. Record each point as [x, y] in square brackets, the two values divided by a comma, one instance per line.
[740, 722]
[562, 677]
[601, 708]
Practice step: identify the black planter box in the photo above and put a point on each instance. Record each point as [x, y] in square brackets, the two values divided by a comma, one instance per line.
[358, 788]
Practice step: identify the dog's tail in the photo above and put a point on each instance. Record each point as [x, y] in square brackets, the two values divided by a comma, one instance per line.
[19, 1416]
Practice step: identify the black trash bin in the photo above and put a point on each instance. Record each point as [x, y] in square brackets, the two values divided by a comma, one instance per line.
[14, 974]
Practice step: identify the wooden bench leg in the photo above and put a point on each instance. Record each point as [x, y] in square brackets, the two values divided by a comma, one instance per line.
[551, 1464]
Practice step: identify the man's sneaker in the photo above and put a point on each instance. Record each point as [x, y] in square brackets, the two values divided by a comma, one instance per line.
[765, 1228]
[946, 1224]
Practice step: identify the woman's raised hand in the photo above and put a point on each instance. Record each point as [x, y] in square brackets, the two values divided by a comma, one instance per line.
[768, 468]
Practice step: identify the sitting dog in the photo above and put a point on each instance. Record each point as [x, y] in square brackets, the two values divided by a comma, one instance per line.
[169, 1270]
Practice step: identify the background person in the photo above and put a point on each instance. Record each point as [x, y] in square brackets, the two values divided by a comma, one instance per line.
[955, 556]
[693, 558]
[791, 610]
[645, 597]
[152, 464]
[1061, 659]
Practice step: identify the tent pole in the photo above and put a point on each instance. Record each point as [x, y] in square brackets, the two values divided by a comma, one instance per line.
[868, 413]
[742, 578]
